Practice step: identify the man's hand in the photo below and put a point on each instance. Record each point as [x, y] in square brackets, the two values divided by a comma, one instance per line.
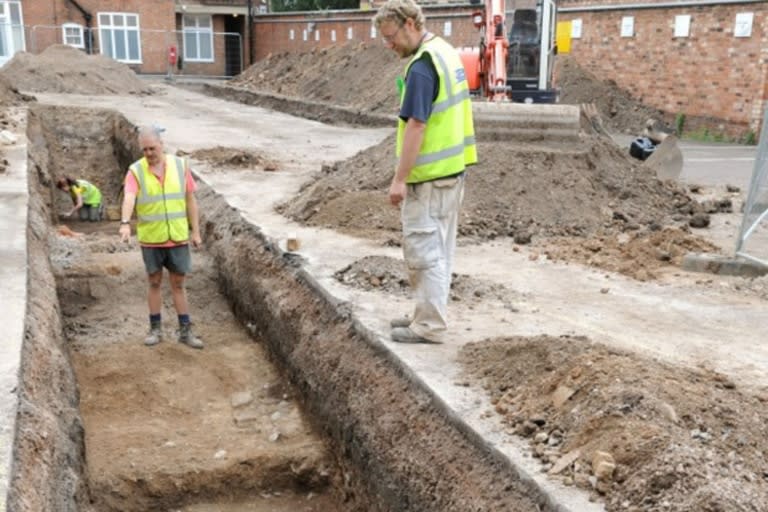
[397, 191]
[125, 232]
[197, 242]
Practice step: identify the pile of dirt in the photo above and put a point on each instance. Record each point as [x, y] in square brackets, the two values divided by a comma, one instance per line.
[232, 158]
[515, 191]
[64, 69]
[673, 439]
[9, 93]
[621, 113]
[637, 254]
[389, 275]
[368, 72]
[355, 75]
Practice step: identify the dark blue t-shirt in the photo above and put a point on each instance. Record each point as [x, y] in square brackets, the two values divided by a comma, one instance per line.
[421, 88]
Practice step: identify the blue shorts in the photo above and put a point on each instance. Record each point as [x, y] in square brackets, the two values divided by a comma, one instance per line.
[176, 259]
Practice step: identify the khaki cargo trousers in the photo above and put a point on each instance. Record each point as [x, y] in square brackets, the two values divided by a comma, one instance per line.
[430, 216]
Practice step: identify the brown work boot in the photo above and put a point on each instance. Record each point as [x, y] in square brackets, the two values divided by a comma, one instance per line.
[187, 337]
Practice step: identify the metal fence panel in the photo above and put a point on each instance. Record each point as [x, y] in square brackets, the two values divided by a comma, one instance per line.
[204, 54]
[752, 243]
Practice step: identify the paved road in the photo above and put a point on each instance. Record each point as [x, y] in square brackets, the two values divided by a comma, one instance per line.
[712, 163]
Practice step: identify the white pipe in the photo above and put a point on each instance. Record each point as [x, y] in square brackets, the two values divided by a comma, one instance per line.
[661, 5]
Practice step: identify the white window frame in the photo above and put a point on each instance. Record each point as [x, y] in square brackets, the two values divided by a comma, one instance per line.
[576, 28]
[80, 35]
[108, 30]
[13, 30]
[682, 25]
[628, 26]
[196, 31]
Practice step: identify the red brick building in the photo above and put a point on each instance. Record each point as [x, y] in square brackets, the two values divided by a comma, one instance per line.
[701, 58]
[209, 36]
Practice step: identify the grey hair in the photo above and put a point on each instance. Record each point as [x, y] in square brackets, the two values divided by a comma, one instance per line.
[399, 11]
[153, 131]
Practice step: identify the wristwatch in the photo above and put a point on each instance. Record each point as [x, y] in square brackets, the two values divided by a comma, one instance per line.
[125, 221]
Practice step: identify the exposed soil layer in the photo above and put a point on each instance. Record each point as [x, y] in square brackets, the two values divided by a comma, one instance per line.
[677, 439]
[409, 455]
[370, 70]
[226, 159]
[162, 427]
[388, 275]
[566, 201]
[168, 426]
[591, 198]
[63, 68]
[620, 112]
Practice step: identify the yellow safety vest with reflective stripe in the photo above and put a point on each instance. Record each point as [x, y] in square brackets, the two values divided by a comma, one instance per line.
[88, 191]
[161, 208]
[449, 137]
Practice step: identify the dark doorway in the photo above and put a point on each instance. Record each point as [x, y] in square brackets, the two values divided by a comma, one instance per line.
[234, 47]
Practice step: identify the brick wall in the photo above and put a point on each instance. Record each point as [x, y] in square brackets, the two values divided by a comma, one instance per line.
[156, 18]
[717, 80]
[272, 32]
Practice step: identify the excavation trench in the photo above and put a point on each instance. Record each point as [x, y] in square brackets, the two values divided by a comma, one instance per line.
[293, 404]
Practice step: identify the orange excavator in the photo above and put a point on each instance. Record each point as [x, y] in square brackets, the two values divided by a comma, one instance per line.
[511, 73]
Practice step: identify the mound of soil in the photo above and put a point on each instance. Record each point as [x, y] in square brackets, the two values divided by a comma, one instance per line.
[9, 93]
[620, 112]
[638, 254]
[389, 275]
[233, 158]
[368, 72]
[678, 439]
[355, 75]
[64, 69]
[514, 191]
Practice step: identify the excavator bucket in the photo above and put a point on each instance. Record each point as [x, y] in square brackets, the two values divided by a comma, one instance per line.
[666, 160]
[543, 123]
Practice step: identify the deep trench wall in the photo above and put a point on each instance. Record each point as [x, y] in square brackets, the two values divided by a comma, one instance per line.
[48, 451]
[399, 449]
[94, 144]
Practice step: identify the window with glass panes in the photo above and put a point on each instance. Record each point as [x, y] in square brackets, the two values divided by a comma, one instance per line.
[72, 34]
[119, 36]
[198, 37]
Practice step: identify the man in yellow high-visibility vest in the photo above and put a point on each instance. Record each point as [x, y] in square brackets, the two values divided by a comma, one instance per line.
[163, 191]
[435, 144]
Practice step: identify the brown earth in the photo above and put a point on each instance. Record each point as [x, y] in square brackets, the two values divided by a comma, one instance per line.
[224, 158]
[65, 69]
[680, 440]
[592, 191]
[369, 71]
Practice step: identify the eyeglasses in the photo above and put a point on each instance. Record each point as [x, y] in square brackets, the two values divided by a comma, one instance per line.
[388, 39]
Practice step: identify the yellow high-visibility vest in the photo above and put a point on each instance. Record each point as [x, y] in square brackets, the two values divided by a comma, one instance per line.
[88, 191]
[161, 208]
[449, 138]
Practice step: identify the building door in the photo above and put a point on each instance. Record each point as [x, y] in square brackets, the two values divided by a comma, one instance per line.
[233, 44]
